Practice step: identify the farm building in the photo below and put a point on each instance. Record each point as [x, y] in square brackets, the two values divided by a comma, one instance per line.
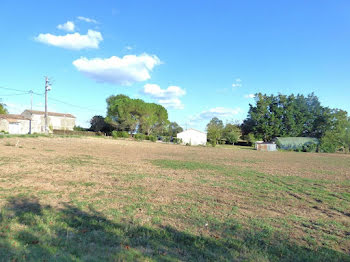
[56, 121]
[265, 146]
[14, 124]
[31, 121]
[295, 143]
[193, 137]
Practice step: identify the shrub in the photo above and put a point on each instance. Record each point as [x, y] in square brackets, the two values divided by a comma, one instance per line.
[166, 139]
[140, 137]
[250, 139]
[122, 134]
[177, 140]
[152, 138]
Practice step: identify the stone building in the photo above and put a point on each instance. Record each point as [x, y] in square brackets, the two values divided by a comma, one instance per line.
[32, 121]
[14, 124]
[57, 121]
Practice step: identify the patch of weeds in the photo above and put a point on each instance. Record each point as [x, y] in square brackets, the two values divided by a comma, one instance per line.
[88, 184]
[9, 144]
[178, 164]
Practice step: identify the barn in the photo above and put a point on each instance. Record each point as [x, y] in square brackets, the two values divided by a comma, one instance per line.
[14, 124]
[193, 137]
[56, 121]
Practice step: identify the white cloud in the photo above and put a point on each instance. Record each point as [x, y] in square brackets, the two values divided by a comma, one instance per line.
[69, 26]
[87, 20]
[249, 96]
[236, 85]
[219, 112]
[169, 97]
[128, 48]
[74, 41]
[121, 71]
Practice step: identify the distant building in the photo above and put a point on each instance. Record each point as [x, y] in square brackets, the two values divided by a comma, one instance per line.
[14, 124]
[56, 121]
[193, 137]
[265, 146]
[32, 121]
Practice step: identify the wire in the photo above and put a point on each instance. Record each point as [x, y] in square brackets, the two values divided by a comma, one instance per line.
[14, 89]
[14, 94]
[53, 99]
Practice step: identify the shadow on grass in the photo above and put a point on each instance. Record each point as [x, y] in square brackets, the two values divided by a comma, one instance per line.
[32, 232]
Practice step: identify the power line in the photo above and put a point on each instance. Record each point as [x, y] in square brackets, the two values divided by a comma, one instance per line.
[54, 99]
[14, 94]
[2, 87]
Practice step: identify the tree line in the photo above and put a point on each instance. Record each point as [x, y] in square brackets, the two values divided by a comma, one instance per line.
[134, 116]
[288, 116]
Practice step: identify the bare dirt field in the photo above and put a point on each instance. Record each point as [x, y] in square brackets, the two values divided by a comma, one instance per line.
[98, 199]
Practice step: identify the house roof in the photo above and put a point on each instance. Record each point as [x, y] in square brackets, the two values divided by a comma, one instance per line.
[36, 112]
[193, 130]
[13, 117]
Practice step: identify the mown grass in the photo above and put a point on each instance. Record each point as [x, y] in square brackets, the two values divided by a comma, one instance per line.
[168, 210]
[31, 232]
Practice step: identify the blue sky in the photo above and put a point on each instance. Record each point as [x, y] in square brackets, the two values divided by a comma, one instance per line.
[198, 58]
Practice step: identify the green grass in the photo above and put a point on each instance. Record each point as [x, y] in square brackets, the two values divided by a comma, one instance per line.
[31, 232]
[213, 216]
[175, 164]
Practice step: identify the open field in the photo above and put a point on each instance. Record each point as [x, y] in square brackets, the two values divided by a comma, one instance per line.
[93, 199]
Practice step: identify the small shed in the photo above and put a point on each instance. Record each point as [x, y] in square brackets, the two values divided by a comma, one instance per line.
[193, 137]
[14, 124]
[265, 146]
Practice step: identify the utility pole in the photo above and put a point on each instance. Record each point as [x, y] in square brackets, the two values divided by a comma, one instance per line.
[31, 108]
[47, 88]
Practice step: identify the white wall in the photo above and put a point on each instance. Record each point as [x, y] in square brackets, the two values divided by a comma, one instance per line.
[15, 127]
[193, 137]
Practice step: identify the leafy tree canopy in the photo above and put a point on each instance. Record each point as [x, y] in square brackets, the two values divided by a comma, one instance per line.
[214, 130]
[3, 109]
[135, 115]
[281, 115]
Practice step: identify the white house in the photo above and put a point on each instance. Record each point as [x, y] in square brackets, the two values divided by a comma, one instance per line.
[31, 121]
[14, 124]
[193, 137]
[56, 121]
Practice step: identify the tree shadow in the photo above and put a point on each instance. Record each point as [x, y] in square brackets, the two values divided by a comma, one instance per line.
[30, 231]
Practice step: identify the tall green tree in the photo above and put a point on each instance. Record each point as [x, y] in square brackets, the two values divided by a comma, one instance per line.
[214, 130]
[99, 124]
[282, 115]
[173, 129]
[3, 109]
[337, 137]
[231, 133]
[135, 115]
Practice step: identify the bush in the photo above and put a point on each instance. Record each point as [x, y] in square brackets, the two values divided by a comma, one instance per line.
[118, 134]
[250, 139]
[166, 139]
[152, 138]
[177, 140]
[140, 137]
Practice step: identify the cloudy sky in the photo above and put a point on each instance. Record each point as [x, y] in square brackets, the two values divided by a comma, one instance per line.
[199, 59]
